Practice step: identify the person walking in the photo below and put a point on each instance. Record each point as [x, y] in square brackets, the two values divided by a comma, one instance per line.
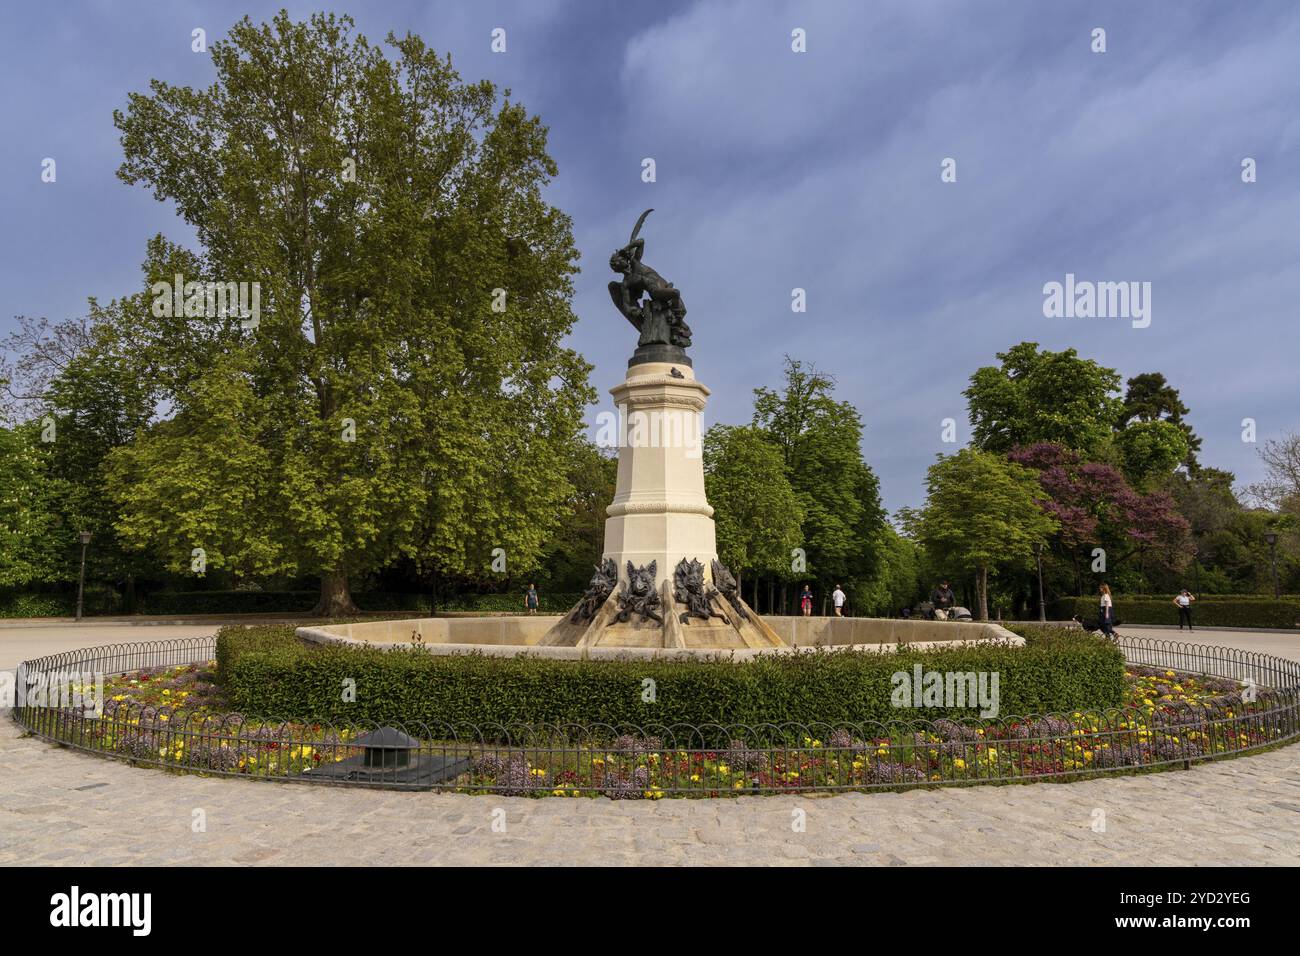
[1184, 604]
[805, 601]
[530, 599]
[838, 597]
[1106, 613]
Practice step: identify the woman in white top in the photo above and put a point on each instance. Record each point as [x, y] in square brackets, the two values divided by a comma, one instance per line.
[1106, 613]
[1184, 604]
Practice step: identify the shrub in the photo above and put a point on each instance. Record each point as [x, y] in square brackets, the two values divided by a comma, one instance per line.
[228, 602]
[101, 600]
[268, 672]
[1221, 611]
[59, 602]
[547, 602]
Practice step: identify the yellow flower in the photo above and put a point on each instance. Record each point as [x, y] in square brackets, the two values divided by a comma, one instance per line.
[738, 785]
[959, 764]
[857, 765]
[538, 772]
[695, 778]
[882, 751]
[723, 769]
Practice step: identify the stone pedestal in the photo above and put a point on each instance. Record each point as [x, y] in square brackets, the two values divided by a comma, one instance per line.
[660, 514]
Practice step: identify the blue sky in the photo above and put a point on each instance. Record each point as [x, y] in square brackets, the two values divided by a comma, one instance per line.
[818, 170]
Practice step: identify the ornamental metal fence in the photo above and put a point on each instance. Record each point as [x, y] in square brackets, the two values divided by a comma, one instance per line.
[1255, 704]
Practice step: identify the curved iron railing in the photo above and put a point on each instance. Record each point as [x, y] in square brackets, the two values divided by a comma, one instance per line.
[653, 761]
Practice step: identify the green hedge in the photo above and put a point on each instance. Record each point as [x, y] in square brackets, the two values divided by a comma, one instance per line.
[97, 600]
[267, 672]
[547, 602]
[1221, 612]
[101, 600]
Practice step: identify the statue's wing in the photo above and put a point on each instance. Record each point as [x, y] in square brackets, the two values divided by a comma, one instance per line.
[636, 230]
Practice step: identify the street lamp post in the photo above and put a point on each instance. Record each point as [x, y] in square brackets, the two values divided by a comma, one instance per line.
[1042, 610]
[1196, 568]
[1271, 538]
[84, 538]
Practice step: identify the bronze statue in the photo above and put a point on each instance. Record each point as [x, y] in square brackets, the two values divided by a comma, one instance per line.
[661, 316]
[639, 595]
[728, 586]
[691, 590]
[602, 583]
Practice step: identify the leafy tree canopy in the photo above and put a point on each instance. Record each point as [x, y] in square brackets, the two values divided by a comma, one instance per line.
[403, 392]
[1040, 396]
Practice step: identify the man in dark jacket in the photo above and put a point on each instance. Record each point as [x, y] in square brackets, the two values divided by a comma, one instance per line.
[943, 599]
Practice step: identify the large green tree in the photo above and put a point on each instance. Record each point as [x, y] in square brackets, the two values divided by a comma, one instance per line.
[70, 382]
[403, 391]
[981, 512]
[819, 439]
[1040, 396]
[1149, 451]
[755, 511]
[1149, 398]
[35, 545]
[576, 544]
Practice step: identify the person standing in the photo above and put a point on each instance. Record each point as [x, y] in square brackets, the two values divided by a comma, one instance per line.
[1106, 613]
[1184, 604]
[805, 601]
[838, 597]
[530, 599]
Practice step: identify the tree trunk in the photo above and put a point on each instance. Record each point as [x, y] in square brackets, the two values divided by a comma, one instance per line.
[335, 597]
[982, 587]
[785, 607]
[129, 597]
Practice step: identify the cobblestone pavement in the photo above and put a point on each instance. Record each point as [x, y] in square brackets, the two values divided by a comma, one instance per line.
[62, 807]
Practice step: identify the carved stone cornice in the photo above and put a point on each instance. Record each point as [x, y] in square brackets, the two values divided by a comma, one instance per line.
[658, 507]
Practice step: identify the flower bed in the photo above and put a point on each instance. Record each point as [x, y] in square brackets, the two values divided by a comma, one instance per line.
[1169, 717]
[170, 713]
